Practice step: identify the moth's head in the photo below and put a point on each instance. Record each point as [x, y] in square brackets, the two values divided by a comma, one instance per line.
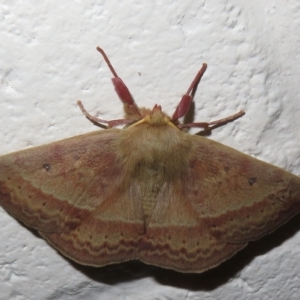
[154, 116]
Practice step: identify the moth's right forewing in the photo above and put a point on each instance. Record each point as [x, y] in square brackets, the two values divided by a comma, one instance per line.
[241, 198]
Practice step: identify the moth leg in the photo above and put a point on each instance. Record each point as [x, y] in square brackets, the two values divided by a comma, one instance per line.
[215, 123]
[187, 98]
[228, 119]
[112, 123]
[121, 88]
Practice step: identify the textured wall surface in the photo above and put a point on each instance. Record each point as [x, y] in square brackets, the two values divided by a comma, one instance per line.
[48, 61]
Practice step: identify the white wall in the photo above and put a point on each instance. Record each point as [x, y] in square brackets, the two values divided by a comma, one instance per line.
[48, 61]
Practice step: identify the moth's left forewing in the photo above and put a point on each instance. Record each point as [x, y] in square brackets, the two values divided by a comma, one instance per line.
[73, 192]
[51, 179]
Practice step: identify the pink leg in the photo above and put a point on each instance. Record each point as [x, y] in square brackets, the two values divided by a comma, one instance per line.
[112, 123]
[186, 100]
[207, 125]
[120, 87]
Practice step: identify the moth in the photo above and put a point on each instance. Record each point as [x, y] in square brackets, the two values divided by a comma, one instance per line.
[150, 191]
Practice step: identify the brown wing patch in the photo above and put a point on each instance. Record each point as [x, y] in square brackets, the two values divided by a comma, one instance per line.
[72, 192]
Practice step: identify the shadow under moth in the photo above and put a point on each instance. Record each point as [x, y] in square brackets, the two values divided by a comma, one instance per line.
[149, 191]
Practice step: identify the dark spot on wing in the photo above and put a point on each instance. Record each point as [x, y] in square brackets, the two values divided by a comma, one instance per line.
[47, 167]
[252, 180]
